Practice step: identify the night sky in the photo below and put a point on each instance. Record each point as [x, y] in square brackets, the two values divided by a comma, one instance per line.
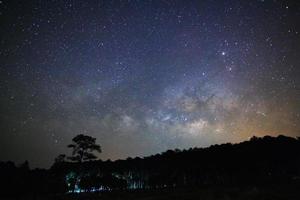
[145, 76]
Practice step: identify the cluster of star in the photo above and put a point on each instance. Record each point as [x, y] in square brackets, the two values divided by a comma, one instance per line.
[145, 76]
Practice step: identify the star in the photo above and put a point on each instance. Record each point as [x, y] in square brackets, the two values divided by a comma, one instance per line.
[142, 76]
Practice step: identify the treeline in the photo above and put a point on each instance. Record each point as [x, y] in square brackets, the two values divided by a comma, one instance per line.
[259, 161]
[19, 181]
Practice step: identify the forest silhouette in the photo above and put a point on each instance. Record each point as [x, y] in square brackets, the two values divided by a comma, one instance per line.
[255, 164]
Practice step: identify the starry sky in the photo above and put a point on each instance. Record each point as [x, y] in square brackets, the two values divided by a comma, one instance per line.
[145, 76]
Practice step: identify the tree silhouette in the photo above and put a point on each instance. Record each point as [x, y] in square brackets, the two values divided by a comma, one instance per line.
[83, 147]
[60, 158]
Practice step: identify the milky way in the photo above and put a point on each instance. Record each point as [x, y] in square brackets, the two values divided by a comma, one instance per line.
[145, 76]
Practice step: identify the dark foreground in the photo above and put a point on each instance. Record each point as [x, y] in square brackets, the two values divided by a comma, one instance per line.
[275, 192]
[261, 168]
